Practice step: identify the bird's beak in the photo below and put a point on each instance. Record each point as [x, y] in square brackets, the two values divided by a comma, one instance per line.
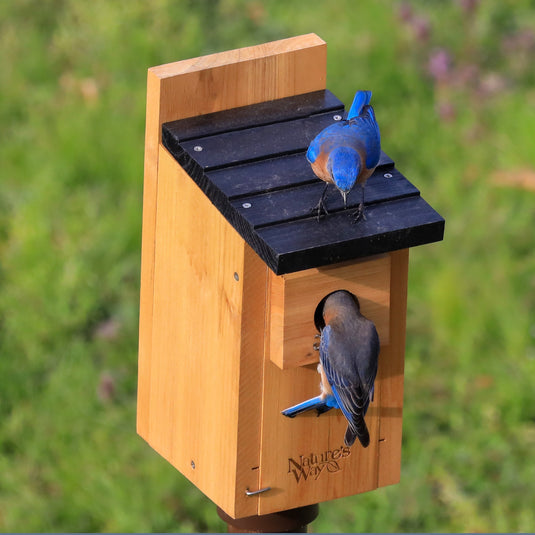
[344, 195]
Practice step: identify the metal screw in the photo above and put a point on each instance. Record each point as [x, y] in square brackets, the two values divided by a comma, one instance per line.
[388, 175]
[236, 276]
[337, 117]
[197, 148]
[193, 465]
[246, 205]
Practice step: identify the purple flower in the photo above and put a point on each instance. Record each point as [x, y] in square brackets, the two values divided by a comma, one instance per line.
[439, 64]
[107, 329]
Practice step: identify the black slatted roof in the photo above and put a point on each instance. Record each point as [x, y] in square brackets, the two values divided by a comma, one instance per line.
[250, 162]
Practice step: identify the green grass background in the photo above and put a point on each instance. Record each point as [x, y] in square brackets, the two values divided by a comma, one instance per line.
[72, 105]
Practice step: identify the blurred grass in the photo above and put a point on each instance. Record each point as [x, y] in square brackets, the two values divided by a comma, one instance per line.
[72, 109]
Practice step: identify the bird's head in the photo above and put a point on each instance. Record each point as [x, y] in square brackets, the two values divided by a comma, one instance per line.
[344, 167]
[338, 298]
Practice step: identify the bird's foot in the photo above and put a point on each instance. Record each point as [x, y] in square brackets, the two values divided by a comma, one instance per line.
[316, 346]
[321, 204]
[359, 214]
[318, 209]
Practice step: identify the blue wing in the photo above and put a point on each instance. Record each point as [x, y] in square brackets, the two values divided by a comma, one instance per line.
[328, 138]
[351, 393]
[366, 128]
[340, 385]
[314, 149]
[362, 131]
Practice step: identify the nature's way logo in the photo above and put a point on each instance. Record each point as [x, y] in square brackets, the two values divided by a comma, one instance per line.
[313, 465]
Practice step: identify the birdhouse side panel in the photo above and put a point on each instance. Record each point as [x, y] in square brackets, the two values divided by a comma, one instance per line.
[390, 375]
[193, 383]
[253, 336]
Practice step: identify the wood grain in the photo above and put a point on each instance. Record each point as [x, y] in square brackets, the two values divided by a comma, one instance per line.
[296, 296]
[195, 366]
[253, 330]
[391, 373]
[241, 77]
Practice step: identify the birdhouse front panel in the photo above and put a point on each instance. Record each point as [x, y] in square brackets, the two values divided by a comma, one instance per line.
[304, 459]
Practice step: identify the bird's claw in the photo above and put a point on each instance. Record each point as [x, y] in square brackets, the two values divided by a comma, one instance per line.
[321, 205]
[358, 214]
[316, 347]
[318, 209]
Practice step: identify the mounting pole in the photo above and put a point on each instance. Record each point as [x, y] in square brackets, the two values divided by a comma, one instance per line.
[291, 521]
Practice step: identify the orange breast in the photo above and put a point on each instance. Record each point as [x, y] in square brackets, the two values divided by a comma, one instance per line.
[320, 167]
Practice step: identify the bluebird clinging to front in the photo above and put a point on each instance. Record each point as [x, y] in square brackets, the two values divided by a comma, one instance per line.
[349, 351]
[347, 152]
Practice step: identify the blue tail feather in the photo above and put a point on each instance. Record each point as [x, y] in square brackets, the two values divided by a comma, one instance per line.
[362, 98]
[317, 403]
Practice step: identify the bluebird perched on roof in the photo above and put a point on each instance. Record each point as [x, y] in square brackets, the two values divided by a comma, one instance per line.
[347, 152]
[349, 351]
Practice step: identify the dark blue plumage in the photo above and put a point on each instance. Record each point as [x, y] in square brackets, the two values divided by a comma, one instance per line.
[347, 152]
[349, 351]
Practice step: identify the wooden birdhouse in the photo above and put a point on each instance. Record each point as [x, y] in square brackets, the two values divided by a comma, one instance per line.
[234, 265]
